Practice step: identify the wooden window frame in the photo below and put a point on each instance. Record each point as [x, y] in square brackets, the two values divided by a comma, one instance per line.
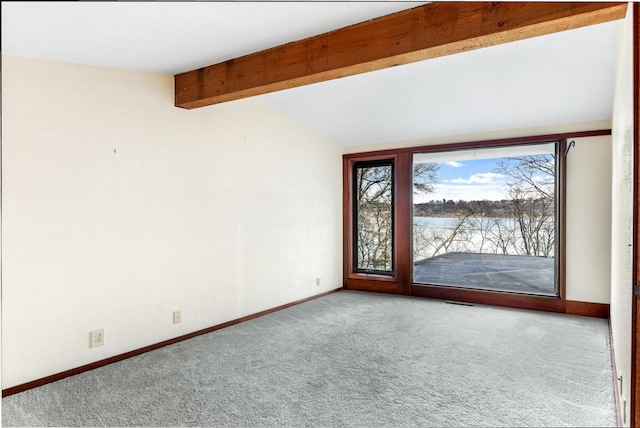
[385, 281]
[364, 164]
[401, 282]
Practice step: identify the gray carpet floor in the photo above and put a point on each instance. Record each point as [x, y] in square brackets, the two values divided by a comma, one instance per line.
[351, 359]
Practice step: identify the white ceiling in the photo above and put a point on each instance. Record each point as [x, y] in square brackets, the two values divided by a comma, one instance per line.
[561, 78]
[171, 37]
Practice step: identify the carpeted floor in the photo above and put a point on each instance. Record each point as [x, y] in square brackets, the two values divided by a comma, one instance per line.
[351, 359]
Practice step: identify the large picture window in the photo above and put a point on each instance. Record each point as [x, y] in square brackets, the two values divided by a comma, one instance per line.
[487, 219]
[480, 222]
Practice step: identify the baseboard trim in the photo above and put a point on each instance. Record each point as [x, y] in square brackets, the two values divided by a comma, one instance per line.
[616, 391]
[91, 366]
[587, 309]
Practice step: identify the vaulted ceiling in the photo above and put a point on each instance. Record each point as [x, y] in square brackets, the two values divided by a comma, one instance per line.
[560, 78]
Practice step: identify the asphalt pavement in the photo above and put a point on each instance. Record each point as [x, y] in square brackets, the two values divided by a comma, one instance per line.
[503, 272]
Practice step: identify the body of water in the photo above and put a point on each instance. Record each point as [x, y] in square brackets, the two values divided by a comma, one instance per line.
[438, 235]
[451, 222]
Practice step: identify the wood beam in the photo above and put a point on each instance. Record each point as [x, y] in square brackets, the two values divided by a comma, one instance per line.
[424, 32]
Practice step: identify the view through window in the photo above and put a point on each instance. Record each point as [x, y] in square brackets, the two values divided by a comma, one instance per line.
[373, 219]
[486, 218]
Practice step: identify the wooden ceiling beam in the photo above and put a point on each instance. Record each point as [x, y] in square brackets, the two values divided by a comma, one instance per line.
[424, 32]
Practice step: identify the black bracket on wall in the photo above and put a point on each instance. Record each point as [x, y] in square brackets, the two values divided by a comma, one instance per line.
[568, 146]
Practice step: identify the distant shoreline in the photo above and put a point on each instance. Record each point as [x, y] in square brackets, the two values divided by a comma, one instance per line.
[450, 208]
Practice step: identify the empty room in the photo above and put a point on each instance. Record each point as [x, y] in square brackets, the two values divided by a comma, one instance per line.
[320, 214]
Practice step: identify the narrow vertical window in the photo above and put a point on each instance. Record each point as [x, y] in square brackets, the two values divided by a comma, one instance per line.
[373, 217]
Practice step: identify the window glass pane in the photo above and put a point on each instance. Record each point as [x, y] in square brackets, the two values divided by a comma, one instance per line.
[486, 219]
[373, 228]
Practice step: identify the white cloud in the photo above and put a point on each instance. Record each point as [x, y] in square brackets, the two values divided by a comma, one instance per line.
[485, 185]
[467, 192]
[480, 178]
[454, 164]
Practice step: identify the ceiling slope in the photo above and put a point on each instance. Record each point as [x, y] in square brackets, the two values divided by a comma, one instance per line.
[171, 37]
[560, 78]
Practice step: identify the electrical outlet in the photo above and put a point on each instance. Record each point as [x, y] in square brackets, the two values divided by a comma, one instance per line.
[96, 338]
[317, 282]
[177, 317]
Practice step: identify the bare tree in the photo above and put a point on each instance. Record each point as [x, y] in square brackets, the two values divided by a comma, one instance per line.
[374, 217]
[374, 211]
[532, 194]
[502, 235]
[425, 175]
[456, 238]
[535, 174]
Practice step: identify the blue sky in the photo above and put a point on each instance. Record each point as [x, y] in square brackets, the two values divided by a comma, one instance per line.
[467, 180]
[470, 174]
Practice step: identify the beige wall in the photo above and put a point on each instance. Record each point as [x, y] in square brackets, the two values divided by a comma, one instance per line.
[119, 208]
[588, 225]
[622, 214]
